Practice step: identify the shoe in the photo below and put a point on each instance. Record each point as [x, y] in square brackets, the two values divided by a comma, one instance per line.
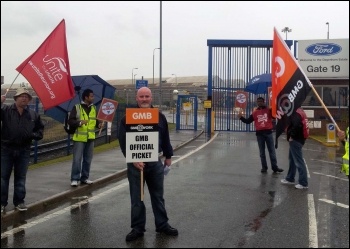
[133, 235]
[74, 183]
[168, 231]
[299, 186]
[284, 181]
[278, 170]
[21, 207]
[2, 209]
[87, 181]
[263, 170]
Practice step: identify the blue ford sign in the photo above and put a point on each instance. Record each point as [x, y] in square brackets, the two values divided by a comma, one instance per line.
[323, 49]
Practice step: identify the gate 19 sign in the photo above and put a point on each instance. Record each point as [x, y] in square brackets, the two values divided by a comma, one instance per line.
[107, 110]
[142, 135]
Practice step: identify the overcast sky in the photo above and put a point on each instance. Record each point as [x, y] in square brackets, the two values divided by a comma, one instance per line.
[111, 38]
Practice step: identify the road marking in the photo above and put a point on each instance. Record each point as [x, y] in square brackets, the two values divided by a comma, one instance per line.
[335, 203]
[313, 238]
[324, 161]
[339, 178]
[187, 147]
[307, 169]
[193, 151]
[62, 211]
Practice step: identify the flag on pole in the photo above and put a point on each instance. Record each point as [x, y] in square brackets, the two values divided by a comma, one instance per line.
[48, 71]
[290, 85]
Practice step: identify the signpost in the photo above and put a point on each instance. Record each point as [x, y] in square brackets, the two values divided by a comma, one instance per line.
[141, 83]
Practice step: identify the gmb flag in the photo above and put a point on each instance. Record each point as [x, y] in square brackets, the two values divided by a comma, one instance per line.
[290, 86]
[47, 69]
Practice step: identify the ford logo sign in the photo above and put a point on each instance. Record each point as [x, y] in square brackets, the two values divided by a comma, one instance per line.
[323, 49]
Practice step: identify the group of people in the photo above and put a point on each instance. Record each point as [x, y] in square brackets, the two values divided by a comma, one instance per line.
[20, 125]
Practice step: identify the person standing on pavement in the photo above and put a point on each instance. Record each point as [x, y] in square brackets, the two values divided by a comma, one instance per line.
[262, 118]
[296, 139]
[344, 138]
[153, 175]
[19, 126]
[83, 116]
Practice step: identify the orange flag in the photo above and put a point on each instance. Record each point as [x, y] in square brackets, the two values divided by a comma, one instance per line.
[290, 85]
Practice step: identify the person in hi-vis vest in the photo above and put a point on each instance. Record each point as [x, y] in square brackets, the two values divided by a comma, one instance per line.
[83, 116]
[344, 138]
[262, 118]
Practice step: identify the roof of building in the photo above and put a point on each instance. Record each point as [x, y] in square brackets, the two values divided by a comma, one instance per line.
[171, 81]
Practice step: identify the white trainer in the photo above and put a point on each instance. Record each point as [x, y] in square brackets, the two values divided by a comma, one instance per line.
[284, 181]
[87, 181]
[74, 183]
[299, 186]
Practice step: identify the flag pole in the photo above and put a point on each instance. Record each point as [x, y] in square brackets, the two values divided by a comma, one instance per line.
[11, 85]
[101, 127]
[323, 105]
[141, 185]
[308, 81]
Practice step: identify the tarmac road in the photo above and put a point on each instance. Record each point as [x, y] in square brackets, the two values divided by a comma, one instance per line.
[216, 196]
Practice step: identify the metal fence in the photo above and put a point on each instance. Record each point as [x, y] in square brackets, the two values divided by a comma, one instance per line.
[57, 142]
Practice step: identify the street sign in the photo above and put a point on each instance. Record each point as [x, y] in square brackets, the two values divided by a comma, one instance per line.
[141, 83]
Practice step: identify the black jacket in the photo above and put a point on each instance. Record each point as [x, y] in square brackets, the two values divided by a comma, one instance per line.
[295, 128]
[18, 131]
[164, 138]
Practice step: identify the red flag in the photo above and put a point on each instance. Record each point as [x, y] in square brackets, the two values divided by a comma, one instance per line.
[290, 86]
[47, 69]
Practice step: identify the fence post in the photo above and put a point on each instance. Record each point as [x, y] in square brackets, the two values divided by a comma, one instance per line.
[36, 109]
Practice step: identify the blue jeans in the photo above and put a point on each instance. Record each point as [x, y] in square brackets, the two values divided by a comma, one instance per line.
[296, 161]
[153, 175]
[18, 160]
[82, 157]
[268, 139]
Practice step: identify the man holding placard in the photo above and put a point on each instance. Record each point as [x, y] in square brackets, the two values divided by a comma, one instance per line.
[143, 133]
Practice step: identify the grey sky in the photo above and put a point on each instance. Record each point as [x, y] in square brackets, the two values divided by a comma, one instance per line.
[111, 38]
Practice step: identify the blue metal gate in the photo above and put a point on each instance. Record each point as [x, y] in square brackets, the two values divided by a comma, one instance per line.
[186, 112]
[231, 63]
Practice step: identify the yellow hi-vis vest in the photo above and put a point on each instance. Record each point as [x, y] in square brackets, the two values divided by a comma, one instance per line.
[86, 131]
[345, 165]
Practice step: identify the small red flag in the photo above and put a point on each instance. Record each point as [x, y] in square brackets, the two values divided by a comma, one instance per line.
[48, 71]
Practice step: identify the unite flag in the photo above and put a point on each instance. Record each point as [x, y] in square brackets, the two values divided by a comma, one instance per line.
[48, 71]
[290, 85]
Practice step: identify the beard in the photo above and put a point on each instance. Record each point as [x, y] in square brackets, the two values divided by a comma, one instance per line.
[145, 105]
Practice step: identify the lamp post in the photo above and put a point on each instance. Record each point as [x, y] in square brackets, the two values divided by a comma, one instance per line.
[132, 75]
[135, 80]
[286, 30]
[327, 23]
[175, 93]
[175, 79]
[126, 91]
[153, 64]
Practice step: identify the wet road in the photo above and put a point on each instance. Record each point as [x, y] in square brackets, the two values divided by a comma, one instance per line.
[216, 197]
